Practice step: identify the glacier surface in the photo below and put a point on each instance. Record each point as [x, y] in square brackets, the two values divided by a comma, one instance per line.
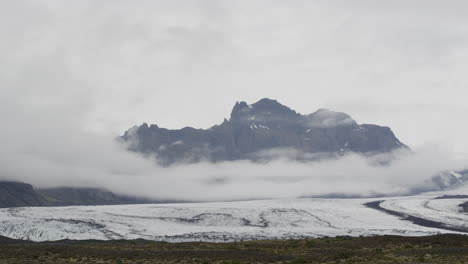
[235, 221]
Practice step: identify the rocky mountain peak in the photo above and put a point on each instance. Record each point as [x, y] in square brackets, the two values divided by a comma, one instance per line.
[240, 110]
[272, 106]
[266, 112]
[266, 124]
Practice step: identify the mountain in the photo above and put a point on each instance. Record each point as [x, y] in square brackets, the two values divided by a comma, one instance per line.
[17, 194]
[262, 126]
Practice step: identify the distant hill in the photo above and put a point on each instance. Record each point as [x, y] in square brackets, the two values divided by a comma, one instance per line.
[86, 196]
[262, 126]
[14, 194]
[17, 194]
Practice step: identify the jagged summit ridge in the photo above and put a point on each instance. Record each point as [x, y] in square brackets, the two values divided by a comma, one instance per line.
[265, 112]
[264, 125]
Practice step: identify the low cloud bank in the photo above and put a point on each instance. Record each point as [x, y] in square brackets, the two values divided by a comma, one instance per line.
[43, 142]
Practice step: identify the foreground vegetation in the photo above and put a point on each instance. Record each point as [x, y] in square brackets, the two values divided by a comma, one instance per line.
[383, 249]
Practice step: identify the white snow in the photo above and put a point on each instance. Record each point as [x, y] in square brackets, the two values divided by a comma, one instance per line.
[258, 126]
[456, 175]
[178, 142]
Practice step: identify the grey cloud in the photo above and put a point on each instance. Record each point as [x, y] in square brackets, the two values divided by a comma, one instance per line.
[327, 118]
[124, 172]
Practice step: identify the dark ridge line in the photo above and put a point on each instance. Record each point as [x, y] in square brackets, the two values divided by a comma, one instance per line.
[457, 196]
[415, 220]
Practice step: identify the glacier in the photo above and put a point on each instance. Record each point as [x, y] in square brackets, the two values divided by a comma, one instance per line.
[236, 221]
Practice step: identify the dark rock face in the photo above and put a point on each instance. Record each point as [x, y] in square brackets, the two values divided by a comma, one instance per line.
[261, 126]
[464, 207]
[16, 194]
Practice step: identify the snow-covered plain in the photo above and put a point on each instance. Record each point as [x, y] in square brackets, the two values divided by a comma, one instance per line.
[230, 221]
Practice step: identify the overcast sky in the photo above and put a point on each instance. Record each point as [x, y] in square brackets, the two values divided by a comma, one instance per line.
[111, 64]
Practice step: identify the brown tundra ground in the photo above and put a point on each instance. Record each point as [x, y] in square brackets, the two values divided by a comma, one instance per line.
[450, 249]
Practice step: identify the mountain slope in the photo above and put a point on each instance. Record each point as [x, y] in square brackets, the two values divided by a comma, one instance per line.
[264, 125]
[66, 196]
[13, 194]
[17, 194]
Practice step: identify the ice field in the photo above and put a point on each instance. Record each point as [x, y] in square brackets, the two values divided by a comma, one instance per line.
[234, 221]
